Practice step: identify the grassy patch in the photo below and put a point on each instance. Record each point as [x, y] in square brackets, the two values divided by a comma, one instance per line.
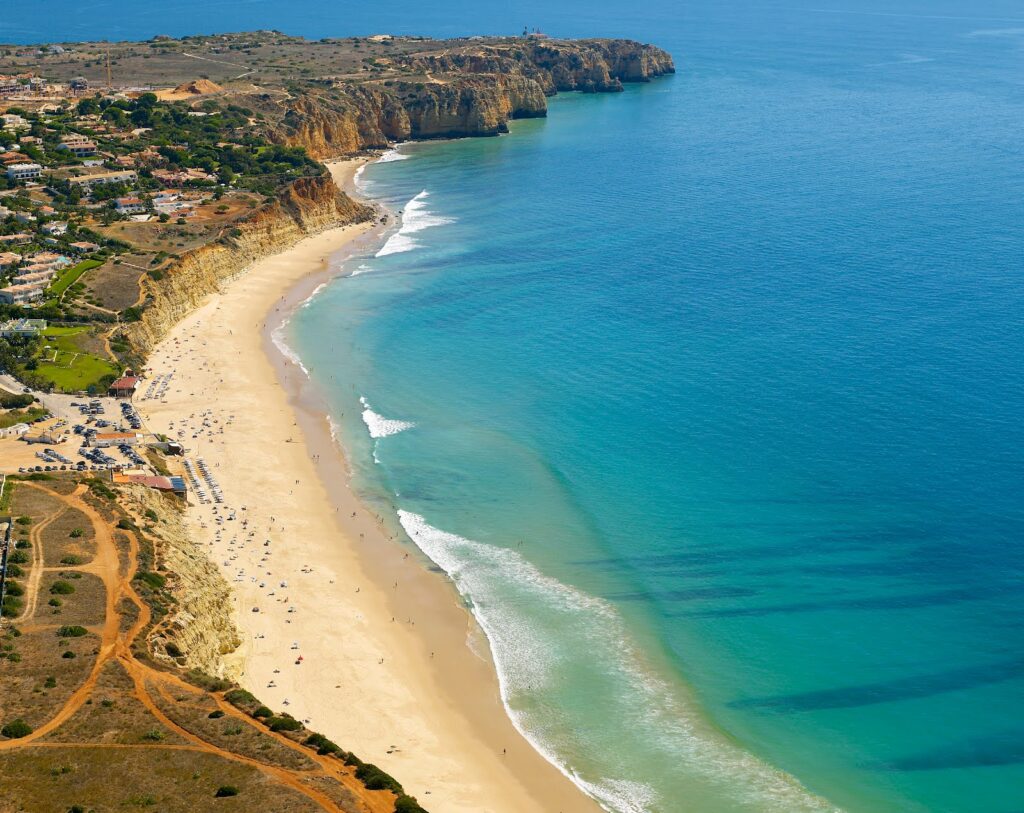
[21, 416]
[67, 366]
[69, 276]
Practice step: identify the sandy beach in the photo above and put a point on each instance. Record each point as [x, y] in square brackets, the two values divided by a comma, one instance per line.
[342, 627]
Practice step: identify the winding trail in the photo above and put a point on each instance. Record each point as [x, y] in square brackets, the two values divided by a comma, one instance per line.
[117, 645]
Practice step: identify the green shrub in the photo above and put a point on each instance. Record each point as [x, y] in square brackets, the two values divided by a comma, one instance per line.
[15, 589]
[76, 533]
[407, 804]
[24, 520]
[72, 632]
[14, 572]
[19, 557]
[69, 655]
[226, 790]
[23, 544]
[126, 524]
[172, 649]
[153, 580]
[262, 711]
[216, 714]
[375, 779]
[16, 729]
[71, 560]
[154, 735]
[322, 744]
[62, 588]
[11, 607]
[240, 697]
[55, 602]
[51, 682]
[284, 724]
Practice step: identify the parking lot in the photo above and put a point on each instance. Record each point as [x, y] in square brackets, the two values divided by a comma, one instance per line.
[81, 426]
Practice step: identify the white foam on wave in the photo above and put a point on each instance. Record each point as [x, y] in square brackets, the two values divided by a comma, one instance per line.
[362, 268]
[527, 656]
[316, 292]
[379, 426]
[415, 218]
[392, 155]
[277, 337]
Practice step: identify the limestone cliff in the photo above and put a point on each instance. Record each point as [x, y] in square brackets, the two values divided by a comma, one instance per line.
[199, 632]
[472, 90]
[309, 205]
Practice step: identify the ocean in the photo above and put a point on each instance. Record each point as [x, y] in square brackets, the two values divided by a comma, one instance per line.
[708, 394]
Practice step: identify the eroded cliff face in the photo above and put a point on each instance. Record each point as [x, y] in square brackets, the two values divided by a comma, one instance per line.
[199, 633]
[308, 206]
[474, 90]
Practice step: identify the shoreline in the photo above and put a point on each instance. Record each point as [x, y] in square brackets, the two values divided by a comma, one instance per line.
[373, 681]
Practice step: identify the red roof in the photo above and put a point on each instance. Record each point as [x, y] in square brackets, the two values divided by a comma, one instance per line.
[128, 382]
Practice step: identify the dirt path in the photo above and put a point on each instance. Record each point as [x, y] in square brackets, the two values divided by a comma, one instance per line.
[117, 645]
[35, 577]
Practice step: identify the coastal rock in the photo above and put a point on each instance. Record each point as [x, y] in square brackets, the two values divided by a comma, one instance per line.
[474, 90]
[200, 628]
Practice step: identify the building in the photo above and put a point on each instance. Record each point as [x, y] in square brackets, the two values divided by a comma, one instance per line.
[125, 386]
[79, 84]
[129, 206]
[35, 278]
[8, 259]
[15, 239]
[24, 172]
[105, 439]
[173, 485]
[21, 294]
[182, 176]
[77, 145]
[22, 327]
[83, 247]
[47, 438]
[56, 228]
[87, 182]
[14, 123]
[16, 431]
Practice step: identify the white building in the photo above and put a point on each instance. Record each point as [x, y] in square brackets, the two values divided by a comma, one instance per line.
[105, 439]
[87, 182]
[129, 206]
[24, 172]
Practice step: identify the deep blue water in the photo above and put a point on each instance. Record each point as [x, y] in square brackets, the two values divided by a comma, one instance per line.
[715, 392]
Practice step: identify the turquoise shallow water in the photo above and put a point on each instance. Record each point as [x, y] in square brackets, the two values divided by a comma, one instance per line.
[721, 378]
[708, 394]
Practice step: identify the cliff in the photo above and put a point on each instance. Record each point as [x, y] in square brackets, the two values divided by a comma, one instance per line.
[472, 90]
[199, 633]
[307, 206]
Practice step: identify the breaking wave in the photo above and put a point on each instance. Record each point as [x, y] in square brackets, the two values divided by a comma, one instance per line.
[277, 337]
[379, 426]
[415, 218]
[539, 630]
